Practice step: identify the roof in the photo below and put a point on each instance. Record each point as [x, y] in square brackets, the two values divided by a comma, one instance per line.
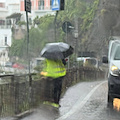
[14, 15]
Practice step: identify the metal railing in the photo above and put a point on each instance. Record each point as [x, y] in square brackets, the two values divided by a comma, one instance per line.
[19, 93]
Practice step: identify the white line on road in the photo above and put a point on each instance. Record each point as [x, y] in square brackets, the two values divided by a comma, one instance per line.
[79, 104]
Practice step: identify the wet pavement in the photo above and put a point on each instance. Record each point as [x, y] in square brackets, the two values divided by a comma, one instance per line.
[44, 112]
[84, 101]
[94, 108]
[75, 98]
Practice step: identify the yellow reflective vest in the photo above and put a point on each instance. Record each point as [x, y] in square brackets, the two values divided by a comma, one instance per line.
[54, 68]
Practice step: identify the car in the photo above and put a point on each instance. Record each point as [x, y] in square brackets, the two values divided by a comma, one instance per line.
[17, 65]
[113, 60]
[88, 61]
[8, 64]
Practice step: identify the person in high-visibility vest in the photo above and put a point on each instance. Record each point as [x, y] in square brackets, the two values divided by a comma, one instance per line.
[56, 70]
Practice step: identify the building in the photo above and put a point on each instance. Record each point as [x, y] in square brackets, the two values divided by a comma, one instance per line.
[8, 7]
[38, 8]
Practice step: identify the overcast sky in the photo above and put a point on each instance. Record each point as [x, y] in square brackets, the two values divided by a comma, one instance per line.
[13, 1]
[10, 1]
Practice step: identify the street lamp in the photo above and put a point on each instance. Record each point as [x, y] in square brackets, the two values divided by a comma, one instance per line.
[70, 29]
[75, 34]
[76, 43]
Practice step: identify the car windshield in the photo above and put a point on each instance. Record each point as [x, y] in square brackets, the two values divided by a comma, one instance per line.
[117, 54]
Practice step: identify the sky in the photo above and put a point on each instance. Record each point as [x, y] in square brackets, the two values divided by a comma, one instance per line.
[10, 1]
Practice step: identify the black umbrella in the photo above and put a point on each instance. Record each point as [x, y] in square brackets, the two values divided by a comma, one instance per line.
[58, 50]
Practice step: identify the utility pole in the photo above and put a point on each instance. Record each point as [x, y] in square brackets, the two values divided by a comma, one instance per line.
[76, 37]
[28, 9]
[57, 5]
[55, 23]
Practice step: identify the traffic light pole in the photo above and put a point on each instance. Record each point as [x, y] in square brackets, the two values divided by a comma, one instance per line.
[55, 23]
[30, 79]
[28, 42]
[28, 9]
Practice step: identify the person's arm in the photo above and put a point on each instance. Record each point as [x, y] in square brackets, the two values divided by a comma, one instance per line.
[63, 61]
[43, 72]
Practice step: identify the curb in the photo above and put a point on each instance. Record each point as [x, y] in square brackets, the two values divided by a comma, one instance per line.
[24, 114]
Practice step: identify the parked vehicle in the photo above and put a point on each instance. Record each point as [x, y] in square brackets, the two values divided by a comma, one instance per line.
[17, 65]
[113, 61]
[88, 61]
[37, 63]
[8, 64]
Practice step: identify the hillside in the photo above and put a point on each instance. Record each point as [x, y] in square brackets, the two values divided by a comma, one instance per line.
[106, 23]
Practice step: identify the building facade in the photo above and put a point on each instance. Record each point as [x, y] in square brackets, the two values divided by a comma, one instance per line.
[38, 8]
[8, 7]
[37, 5]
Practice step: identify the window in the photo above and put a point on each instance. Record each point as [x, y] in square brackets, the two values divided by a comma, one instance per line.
[50, 4]
[2, 22]
[117, 54]
[8, 22]
[41, 5]
[5, 40]
[2, 5]
[112, 49]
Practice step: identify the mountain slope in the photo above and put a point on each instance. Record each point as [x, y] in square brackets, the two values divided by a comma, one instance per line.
[105, 24]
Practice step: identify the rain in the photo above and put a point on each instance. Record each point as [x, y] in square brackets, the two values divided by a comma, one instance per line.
[59, 60]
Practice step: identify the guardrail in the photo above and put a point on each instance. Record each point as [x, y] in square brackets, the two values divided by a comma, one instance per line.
[19, 93]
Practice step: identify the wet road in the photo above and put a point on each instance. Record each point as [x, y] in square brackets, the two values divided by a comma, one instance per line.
[93, 106]
[84, 101]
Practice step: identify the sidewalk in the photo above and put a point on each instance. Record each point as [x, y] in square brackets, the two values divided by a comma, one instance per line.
[44, 112]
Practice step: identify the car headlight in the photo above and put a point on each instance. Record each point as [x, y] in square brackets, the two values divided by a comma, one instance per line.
[114, 70]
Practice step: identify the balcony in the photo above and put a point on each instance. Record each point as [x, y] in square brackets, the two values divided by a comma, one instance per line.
[5, 26]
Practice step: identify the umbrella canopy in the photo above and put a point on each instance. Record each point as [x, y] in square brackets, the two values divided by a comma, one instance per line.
[58, 50]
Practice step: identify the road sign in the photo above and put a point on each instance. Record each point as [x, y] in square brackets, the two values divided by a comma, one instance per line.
[55, 5]
[67, 26]
[28, 6]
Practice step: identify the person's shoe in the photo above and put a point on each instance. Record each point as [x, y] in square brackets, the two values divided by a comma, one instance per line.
[52, 104]
[55, 105]
[59, 106]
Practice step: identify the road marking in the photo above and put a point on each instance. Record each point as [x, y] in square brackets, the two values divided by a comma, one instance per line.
[79, 104]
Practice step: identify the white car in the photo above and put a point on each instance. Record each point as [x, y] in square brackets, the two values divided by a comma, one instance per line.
[88, 61]
[113, 61]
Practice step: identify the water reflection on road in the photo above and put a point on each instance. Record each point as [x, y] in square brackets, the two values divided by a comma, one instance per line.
[95, 108]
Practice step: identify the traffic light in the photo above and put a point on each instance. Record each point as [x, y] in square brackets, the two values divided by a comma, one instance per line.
[62, 4]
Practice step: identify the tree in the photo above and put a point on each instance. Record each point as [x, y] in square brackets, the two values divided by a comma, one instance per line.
[44, 32]
[16, 16]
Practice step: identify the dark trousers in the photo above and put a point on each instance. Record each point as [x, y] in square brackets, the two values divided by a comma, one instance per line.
[57, 89]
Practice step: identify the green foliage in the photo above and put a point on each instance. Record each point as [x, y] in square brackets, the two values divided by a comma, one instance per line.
[21, 23]
[103, 11]
[89, 15]
[73, 8]
[16, 48]
[44, 33]
[36, 21]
